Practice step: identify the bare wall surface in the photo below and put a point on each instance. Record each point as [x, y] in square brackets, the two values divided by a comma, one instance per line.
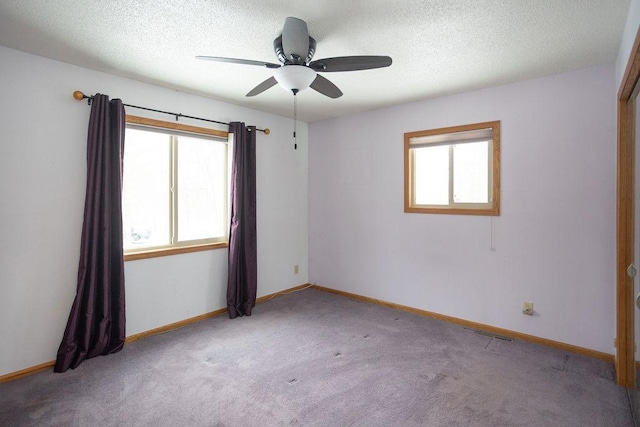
[42, 181]
[553, 244]
[628, 37]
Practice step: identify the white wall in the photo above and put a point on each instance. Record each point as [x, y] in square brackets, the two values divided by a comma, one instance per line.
[628, 37]
[554, 240]
[42, 180]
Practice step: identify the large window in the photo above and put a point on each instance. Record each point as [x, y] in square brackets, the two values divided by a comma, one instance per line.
[175, 189]
[453, 170]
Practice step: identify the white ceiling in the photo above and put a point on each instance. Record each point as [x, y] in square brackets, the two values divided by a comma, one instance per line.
[438, 46]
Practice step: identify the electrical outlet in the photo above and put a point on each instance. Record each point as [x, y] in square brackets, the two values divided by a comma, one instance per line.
[527, 308]
[295, 269]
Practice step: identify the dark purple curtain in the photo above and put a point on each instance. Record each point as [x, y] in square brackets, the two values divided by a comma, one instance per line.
[96, 324]
[243, 264]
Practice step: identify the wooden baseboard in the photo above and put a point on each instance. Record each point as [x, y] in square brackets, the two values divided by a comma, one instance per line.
[175, 325]
[475, 325]
[189, 321]
[155, 331]
[285, 292]
[26, 372]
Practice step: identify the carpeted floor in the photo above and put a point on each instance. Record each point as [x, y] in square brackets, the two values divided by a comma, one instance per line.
[319, 359]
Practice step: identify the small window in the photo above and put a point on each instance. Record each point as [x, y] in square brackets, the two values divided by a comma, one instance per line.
[453, 170]
[175, 188]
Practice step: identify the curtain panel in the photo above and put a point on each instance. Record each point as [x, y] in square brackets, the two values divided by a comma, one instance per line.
[243, 265]
[96, 324]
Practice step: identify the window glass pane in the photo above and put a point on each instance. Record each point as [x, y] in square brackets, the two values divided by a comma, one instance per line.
[201, 189]
[471, 172]
[145, 195]
[431, 175]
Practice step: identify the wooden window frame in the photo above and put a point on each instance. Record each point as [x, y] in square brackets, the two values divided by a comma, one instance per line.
[463, 209]
[174, 249]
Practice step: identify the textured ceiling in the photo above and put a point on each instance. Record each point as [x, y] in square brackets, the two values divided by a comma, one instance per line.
[438, 46]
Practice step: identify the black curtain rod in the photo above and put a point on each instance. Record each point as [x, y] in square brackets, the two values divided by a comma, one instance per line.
[80, 96]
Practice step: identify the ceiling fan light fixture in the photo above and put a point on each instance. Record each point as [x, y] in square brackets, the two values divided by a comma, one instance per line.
[294, 77]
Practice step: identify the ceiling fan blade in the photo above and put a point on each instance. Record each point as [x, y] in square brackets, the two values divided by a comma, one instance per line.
[295, 40]
[270, 82]
[239, 61]
[350, 63]
[325, 87]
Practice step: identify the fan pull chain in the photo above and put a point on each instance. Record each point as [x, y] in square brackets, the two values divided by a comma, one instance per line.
[295, 121]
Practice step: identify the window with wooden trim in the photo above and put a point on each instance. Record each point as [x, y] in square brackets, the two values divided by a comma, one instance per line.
[453, 170]
[175, 193]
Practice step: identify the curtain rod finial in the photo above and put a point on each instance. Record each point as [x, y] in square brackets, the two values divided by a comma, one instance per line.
[267, 131]
[79, 95]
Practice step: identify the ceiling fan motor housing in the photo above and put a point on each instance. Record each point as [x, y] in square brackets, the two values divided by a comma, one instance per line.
[293, 59]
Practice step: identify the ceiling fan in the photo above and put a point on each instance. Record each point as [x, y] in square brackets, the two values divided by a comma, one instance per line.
[296, 71]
